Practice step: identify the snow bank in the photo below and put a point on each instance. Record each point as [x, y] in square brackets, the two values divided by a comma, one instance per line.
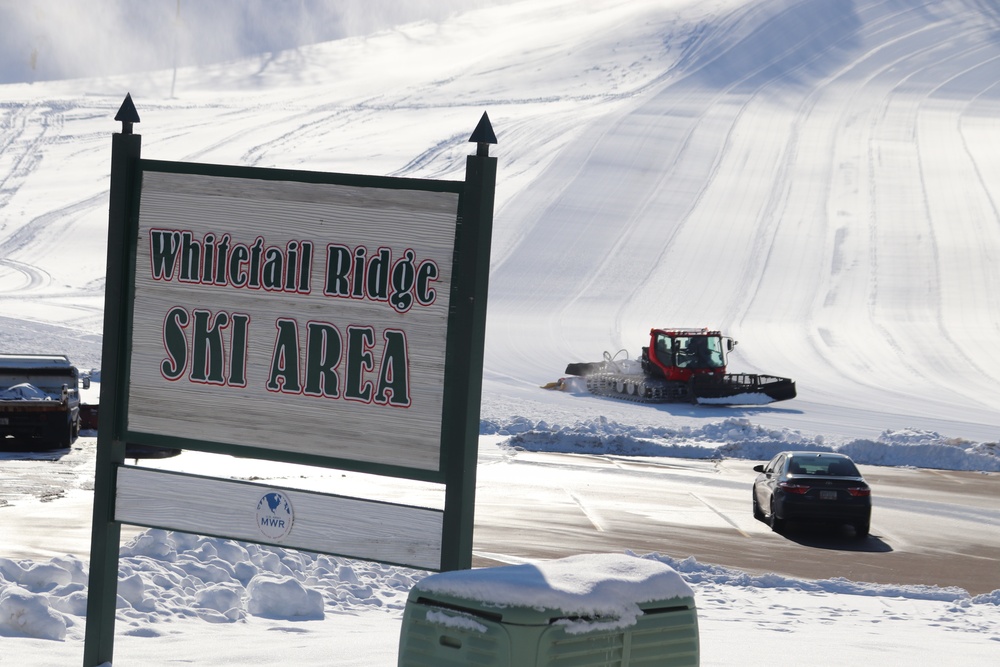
[165, 575]
[740, 439]
[168, 576]
[226, 580]
[696, 573]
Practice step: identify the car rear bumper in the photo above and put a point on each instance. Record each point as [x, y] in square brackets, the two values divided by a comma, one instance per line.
[819, 510]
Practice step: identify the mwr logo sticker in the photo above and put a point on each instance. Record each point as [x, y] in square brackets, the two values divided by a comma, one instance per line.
[274, 515]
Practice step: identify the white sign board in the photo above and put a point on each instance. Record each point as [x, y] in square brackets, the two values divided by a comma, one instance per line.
[286, 517]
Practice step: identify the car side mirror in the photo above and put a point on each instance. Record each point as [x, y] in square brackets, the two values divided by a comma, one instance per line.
[759, 468]
[86, 382]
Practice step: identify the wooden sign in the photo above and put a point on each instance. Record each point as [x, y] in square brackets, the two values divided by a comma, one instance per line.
[283, 315]
[333, 320]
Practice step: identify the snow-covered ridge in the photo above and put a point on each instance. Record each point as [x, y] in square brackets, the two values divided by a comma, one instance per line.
[739, 438]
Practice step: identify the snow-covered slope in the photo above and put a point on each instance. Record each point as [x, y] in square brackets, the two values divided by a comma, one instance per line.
[816, 178]
[813, 177]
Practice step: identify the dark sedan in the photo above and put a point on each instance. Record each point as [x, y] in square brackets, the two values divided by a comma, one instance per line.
[813, 487]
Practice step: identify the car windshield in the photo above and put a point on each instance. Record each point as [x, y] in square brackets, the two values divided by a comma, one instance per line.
[831, 466]
[699, 352]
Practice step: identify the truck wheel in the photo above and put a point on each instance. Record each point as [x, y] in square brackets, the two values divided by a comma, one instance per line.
[65, 438]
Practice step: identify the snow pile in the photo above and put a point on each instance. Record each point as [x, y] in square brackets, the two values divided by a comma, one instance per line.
[738, 438]
[607, 588]
[224, 580]
[39, 599]
[26, 613]
[167, 575]
[277, 597]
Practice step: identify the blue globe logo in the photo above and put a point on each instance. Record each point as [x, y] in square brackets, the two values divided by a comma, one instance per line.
[274, 515]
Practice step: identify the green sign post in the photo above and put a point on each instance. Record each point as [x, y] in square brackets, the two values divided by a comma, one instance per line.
[333, 320]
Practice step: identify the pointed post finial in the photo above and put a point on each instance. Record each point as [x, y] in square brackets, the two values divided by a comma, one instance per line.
[127, 114]
[483, 136]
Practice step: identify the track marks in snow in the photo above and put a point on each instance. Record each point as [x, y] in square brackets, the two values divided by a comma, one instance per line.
[722, 515]
[26, 278]
[21, 138]
[592, 516]
[810, 167]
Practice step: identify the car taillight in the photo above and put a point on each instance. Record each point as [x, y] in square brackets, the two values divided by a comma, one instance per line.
[797, 489]
[859, 491]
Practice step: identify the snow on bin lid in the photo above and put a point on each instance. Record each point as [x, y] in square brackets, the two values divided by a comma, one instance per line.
[598, 585]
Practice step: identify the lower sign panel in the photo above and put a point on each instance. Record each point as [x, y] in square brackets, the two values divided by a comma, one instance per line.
[339, 525]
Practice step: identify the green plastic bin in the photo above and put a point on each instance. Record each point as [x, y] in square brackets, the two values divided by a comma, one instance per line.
[447, 623]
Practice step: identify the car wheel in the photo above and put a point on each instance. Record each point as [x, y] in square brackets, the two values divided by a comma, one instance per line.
[777, 525]
[861, 529]
[757, 513]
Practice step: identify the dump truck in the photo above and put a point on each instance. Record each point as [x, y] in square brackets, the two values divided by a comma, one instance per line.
[39, 401]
